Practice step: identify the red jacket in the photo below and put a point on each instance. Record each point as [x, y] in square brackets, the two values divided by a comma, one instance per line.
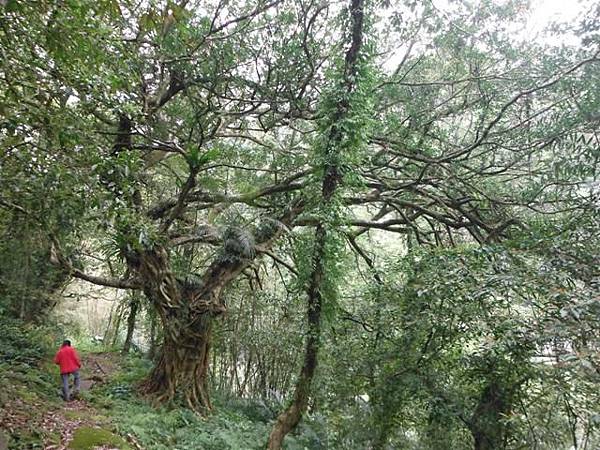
[67, 359]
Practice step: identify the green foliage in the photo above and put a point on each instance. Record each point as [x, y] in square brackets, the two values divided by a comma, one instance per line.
[25, 343]
[29, 383]
[28, 281]
[467, 163]
[235, 425]
[449, 327]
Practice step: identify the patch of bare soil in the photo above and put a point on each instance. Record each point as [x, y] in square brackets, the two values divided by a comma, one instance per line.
[98, 368]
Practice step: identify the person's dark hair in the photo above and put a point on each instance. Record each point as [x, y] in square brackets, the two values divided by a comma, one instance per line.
[66, 343]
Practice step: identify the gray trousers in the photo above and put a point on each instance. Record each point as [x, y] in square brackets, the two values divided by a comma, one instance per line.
[65, 382]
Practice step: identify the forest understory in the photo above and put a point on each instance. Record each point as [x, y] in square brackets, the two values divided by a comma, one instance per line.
[109, 413]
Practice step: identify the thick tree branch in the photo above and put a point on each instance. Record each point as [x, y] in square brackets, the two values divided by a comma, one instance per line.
[286, 185]
[57, 258]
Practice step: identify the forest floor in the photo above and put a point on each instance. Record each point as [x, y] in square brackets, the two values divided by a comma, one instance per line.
[109, 414]
[59, 425]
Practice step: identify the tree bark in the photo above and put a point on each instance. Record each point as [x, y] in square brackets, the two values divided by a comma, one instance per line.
[290, 418]
[182, 367]
[152, 349]
[117, 326]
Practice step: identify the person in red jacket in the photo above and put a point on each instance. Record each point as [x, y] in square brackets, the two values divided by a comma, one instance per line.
[69, 364]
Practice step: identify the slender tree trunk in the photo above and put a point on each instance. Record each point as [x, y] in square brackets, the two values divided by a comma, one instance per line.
[133, 310]
[106, 335]
[152, 349]
[242, 387]
[117, 326]
[290, 418]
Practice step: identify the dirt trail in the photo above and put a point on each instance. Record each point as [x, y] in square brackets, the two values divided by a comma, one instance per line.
[57, 423]
[97, 368]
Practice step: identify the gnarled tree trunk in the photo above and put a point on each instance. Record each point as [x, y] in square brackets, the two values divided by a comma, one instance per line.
[183, 367]
[186, 313]
[187, 310]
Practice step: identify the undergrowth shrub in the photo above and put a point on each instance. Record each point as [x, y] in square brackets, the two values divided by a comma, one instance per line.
[24, 343]
[26, 349]
[26, 381]
[236, 423]
[182, 429]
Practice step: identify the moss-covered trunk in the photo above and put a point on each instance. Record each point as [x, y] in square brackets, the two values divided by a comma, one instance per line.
[290, 417]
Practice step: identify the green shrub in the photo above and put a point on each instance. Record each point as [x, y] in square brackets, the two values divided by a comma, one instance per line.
[22, 343]
[229, 428]
[26, 350]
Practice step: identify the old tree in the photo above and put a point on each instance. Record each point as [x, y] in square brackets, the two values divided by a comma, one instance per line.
[175, 147]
